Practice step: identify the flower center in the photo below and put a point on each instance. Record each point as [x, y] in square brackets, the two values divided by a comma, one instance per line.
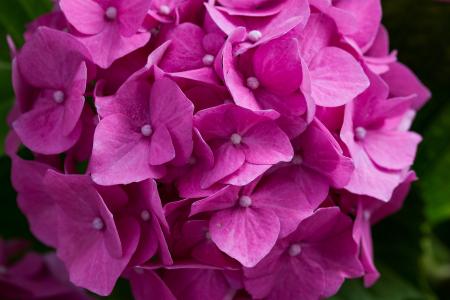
[253, 83]
[254, 36]
[208, 235]
[165, 10]
[98, 224]
[58, 97]
[360, 133]
[146, 130]
[208, 59]
[367, 215]
[295, 250]
[111, 13]
[245, 201]
[236, 139]
[145, 215]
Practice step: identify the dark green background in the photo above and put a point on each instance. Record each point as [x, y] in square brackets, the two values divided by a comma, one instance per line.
[412, 247]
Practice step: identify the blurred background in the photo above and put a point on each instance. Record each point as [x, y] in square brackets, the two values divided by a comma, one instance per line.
[412, 248]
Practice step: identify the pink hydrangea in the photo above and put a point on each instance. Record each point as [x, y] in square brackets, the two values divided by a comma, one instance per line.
[230, 149]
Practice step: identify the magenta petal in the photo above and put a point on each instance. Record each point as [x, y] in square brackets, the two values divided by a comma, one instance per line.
[269, 279]
[368, 179]
[120, 153]
[363, 236]
[321, 152]
[161, 147]
[403, 82]
[41, 130]
[330, 231]
[318, 34]
[392, 149]
[170, 107]
[94, 257]
[246, 234]
[131, 15]
[33, 200]
[336, 77]
[246, 174]
[108, 46]
[227, 159]
[44, 62]
[185, 51]
[277, 65]
[285, 199]
[81, 203]
[96, 270]
[194, 284]
[367, 15]
[266, 144]
[73, 106]
[147, 284]
[87, 16]
[225, 198]
[233, 79]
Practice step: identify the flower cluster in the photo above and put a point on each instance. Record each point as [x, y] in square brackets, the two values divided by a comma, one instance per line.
[229, 149]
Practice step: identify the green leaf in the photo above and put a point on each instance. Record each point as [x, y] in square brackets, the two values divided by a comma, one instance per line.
[5, 107]
[14, 15]
[433, 168]
[390, 286]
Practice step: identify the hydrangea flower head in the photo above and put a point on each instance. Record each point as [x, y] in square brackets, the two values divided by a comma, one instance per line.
[211, 149]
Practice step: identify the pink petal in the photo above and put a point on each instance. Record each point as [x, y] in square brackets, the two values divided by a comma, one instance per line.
[336, 77]
[318, 34]
[96, 270]
[246, 174]
[334, 247]
[242, 95]
[147, 284]
[368, 179]
[170, 107]
[43, 61]
[161, 147]
[321, 152]
[393, 150]
[185, 51]
[225, 198]
[131, 15]
[227, 159]
[75, 103]
[131, 100]
[33, 200]
[120, 153]
[367, 15]
[41, 130]
[285, 199]
[363, 236]
[403, 82]
[108, 46]
[215, 122]
[193, 284]
[266, 144]
[87, 16]
[277, 66]
[246, 234]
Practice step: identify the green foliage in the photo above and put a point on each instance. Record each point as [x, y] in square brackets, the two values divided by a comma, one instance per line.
[390, 286]
[14, 15]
